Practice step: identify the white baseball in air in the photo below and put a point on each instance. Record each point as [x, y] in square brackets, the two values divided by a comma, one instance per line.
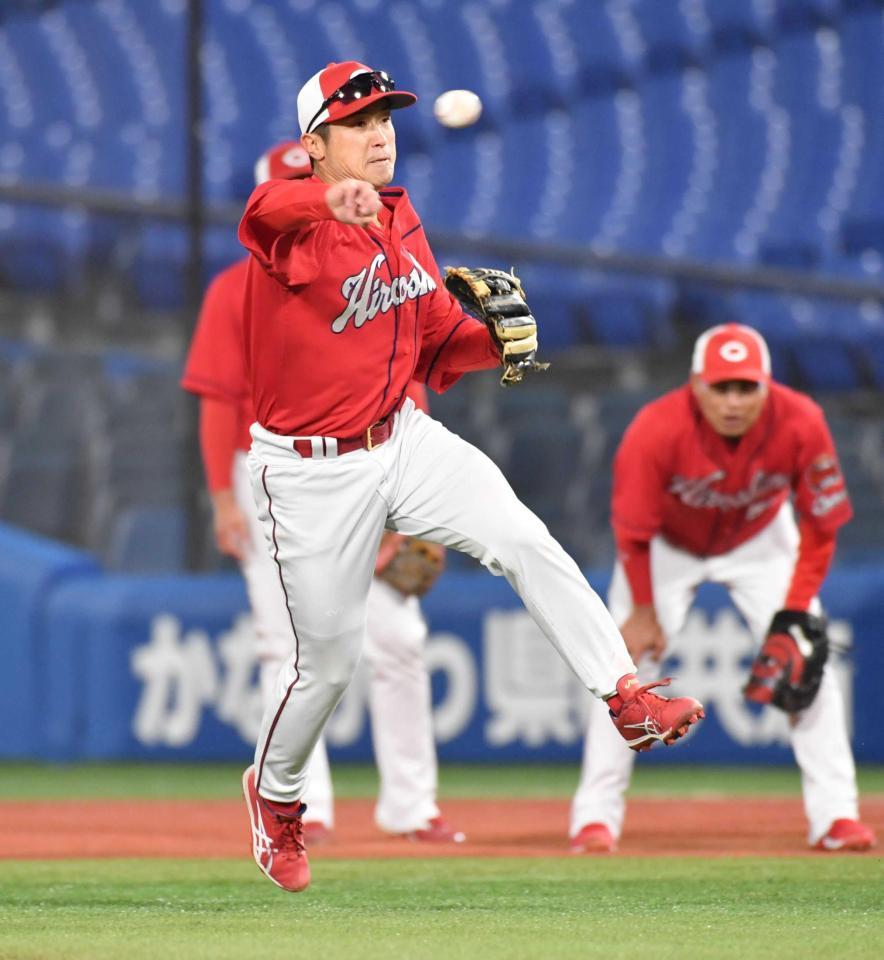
[457, 108]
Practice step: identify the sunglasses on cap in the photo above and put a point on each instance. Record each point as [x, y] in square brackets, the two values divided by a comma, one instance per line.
[355, 89]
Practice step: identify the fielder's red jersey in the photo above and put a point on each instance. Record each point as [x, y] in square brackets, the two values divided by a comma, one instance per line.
[215, 367]
[338, 319]
[215, 370]
[675, 476]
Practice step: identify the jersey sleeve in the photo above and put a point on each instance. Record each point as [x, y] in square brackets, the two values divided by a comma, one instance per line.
[215, 366]
[815, 551]
[639, 484]
[219, 434]
[820, 490]
[285, 227]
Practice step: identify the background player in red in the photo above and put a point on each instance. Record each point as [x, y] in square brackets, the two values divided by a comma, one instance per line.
[344, 307]
[399, 691]
[702, 486]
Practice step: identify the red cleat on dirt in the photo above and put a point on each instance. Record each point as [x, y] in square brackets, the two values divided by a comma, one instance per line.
[277, 838]
[593, 838]
[643, 718]
[437, 830]
[846, 835]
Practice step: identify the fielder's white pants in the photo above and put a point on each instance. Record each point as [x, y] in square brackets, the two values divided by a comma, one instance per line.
[399, 688]
[757, 574]
[323, 518]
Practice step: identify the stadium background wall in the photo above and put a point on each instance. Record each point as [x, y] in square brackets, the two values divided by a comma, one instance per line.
[102, 666]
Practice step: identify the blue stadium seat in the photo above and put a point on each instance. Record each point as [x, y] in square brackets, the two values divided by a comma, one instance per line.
[740, 133]
[862, 44]
[41, 491]
[670, 43]
[737, 25]
[622, 314]
[147, 539]
[668, 141]
[815, 130]
[600, 151]
[826, 364]
[873, 356]
[604, 66]
[805, 15]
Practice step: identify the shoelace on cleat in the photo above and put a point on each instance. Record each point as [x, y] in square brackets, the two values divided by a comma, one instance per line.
[291, 837]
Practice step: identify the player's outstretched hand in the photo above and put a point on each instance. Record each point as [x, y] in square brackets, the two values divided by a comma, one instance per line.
[642, 634]
[353, 201]
[230, 525]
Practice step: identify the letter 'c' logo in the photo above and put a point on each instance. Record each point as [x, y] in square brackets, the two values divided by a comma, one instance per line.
[733, 351]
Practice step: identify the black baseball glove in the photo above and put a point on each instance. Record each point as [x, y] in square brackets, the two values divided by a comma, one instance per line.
[788, 669]
[497, 297]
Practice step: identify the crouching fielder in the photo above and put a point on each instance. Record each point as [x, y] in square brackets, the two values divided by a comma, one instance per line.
[702, 487]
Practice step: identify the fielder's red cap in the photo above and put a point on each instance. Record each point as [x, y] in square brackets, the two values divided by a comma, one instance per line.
[330, 94]
[286, 161]
[731, 351]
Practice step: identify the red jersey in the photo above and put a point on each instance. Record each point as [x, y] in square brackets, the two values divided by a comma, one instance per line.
[338, 319]
[215, 367]
[215, 370]
[675, 476]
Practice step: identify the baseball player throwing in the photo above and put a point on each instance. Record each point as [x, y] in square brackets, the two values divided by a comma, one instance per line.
[399, 692]
[344, 307]
[702, 486]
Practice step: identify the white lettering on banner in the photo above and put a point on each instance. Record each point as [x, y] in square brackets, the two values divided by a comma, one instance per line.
[367, 294]
[531, 694]
[182, 676]
[179, 677]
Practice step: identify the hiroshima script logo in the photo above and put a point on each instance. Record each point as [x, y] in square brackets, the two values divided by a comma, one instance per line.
[367, 295]
[698, 492]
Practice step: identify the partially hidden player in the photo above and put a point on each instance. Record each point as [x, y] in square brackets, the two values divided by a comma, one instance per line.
[703, 483]
[344, 307]
[398, 691]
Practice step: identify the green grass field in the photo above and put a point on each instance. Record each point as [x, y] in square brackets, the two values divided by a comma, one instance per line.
[30, 781]
[801, 907]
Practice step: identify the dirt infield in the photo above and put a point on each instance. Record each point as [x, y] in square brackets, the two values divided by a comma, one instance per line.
[713, 827]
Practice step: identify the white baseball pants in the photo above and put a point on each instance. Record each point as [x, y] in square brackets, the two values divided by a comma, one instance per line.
[757, 575]
[323, 518]
[399, 689]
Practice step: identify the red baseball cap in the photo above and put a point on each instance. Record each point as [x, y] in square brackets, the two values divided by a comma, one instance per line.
[731, 351]
[286, 161]
[336, 92]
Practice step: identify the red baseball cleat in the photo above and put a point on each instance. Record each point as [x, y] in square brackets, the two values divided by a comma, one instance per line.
[277, 838]
[437, 830]
[643, 718]
[846, 835]
[593, 838]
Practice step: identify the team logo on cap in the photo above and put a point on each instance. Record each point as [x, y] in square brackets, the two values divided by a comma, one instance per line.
[733, 351]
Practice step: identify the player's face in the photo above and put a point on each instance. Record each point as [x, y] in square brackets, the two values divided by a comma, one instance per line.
[362, 146]
[732, 406]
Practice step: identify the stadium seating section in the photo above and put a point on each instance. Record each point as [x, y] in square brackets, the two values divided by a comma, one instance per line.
[739, 132]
